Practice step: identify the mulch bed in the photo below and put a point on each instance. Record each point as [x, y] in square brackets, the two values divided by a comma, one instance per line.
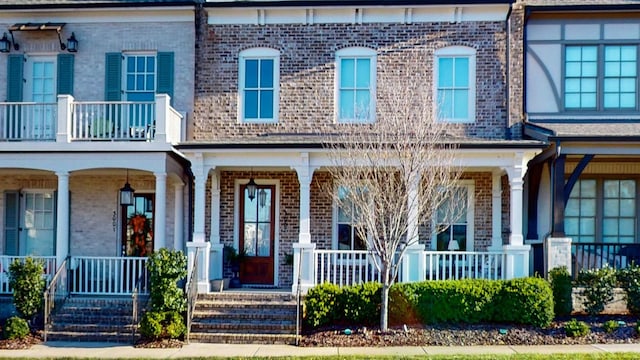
[21, 344]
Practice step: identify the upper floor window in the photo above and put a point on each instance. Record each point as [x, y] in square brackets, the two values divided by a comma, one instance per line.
[355, 85]
[259, 79]
[139, 77]
[600, 77]
[455, 79]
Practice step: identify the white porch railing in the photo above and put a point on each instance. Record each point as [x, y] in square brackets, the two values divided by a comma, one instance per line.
[6, 260]
[108, 275]
[28, 121]
[455, 265]
[112, 120]
[344, 267]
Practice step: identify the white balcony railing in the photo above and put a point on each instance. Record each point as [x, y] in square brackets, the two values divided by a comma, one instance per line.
[7, 260]
[108, 275]
[28, 121]
[455, 265]
[344, 267]
[69, 120]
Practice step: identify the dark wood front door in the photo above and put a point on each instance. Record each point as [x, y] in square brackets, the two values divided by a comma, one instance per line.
[257, 235]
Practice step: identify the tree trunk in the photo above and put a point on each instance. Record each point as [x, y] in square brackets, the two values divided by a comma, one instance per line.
[384, 303]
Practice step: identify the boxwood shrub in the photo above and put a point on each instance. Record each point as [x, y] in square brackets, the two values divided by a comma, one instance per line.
[524, 301]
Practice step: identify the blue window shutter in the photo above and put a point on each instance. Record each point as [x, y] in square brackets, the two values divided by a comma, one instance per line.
[165, 74]
[11, 222]
[113, 77]
[65, 74]
[15, 82]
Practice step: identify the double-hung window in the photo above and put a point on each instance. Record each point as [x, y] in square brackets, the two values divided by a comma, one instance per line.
[355, 85]
[348, 231]
[454, 220]
[455, 83]
[600, 77]
[259, 78]
[602, 210]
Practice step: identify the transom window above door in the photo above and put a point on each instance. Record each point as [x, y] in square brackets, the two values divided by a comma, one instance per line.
[258, 85]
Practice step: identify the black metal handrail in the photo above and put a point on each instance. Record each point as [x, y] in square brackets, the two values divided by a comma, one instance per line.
[192, 291]
[587, 256]
[141, 283]
[55, 294]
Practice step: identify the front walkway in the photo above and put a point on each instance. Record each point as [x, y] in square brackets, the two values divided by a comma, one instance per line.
[194, 350]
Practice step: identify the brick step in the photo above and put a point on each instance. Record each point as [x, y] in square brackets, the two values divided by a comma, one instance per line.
[227, 338]
[230, 315]
[243, 328]
[96, 318]
[92, 311]
[91, 328]
[246, 305]
[113, 337]
[267, 297]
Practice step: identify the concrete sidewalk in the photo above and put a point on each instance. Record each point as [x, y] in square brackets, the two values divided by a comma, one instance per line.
[110, 350]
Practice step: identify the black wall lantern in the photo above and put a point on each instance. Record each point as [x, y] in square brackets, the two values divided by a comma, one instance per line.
[72, 43]
[126, 193]
[251, 188]
[5, 43]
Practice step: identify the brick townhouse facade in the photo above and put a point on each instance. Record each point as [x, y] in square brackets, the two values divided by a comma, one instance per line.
[293, 54]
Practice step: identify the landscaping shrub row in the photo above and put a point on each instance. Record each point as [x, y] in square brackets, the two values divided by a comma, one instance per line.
[522, 301]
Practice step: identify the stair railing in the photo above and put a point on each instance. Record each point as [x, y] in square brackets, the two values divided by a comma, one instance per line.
[192, 291]
[135, 303]
[298, 296]
[55, 294]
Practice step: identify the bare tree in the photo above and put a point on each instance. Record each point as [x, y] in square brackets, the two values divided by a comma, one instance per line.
[399, 173]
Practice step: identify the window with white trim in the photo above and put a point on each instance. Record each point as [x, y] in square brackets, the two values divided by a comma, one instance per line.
[259, 83]
[454, 220]
[455, 84]
[139, 76]
[355, 85]
[347, 223]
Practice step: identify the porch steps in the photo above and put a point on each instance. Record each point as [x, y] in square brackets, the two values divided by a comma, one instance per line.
[93, 319]
[245, 318]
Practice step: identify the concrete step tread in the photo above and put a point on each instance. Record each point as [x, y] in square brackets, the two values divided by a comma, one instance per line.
[230, 338]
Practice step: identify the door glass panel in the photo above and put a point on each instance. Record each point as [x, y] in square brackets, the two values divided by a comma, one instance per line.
[250, 239]
[264, 239]
[138, 232]
[264, 206]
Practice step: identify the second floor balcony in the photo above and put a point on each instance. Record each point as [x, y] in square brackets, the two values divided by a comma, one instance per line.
[69, 120]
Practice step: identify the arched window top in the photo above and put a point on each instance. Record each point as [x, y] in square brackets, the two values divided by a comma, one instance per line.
[456, 50]
[260, 52]
[356, 51]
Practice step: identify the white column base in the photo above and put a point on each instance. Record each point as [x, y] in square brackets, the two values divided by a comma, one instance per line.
[413, 264]
[517, 261]
[557, 253]
[303, 266]
[215, 261]
[203, 263]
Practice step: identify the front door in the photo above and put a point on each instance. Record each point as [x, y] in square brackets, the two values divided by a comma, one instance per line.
[40, 88]
[257, 220]
[38, 220]
[137, 232]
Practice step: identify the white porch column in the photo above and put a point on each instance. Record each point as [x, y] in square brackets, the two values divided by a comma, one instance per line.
[305, 175]
[63, 133]
[162, 109]
[303, 271]
[200, 172]
[178, 210]
[496, 212]
[413, 206]
[413, 264]
[160, 216]
[517, 252]
[62, 219]
[216, 255]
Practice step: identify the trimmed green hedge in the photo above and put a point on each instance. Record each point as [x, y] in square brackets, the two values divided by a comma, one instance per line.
[522, 301]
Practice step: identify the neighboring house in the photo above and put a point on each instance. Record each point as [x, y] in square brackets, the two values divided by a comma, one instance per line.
[95, 94]
[582, 100]
[270, 82]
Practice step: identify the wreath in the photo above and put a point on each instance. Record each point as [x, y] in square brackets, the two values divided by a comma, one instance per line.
[140, 231]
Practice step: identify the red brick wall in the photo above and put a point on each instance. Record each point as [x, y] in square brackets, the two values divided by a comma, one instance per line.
[307, 56]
